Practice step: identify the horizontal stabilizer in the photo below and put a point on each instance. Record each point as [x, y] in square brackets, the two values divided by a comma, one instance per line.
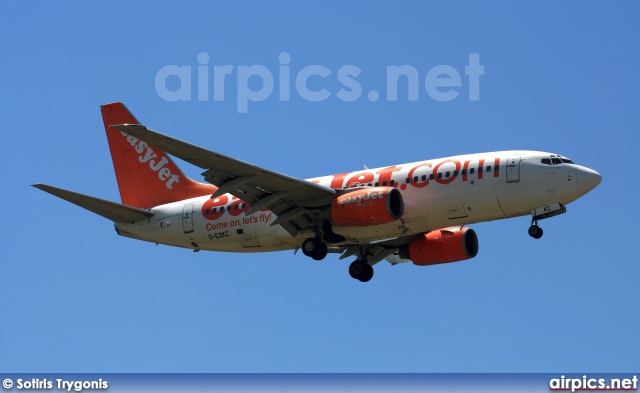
[111, 210]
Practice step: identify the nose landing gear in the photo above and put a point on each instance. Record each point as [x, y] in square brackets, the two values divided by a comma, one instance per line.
[535, 231]
[543, 212]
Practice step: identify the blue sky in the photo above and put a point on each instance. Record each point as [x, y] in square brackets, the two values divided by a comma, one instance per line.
[559, 77]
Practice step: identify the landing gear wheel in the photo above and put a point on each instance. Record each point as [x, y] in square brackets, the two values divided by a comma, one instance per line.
[361, 271]
[321, 252]
[535, 232]
[310, 246]
[314, 248]
[367, 274]
[355, 269]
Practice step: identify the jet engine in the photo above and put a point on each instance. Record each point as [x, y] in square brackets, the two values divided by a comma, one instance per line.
[367, 206]
[445, 245]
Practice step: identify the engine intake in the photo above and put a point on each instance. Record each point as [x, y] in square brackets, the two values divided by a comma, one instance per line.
[442, 246]
[367, 206]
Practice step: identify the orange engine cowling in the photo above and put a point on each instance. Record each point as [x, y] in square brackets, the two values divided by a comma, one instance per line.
[367, 206]
[441, 246]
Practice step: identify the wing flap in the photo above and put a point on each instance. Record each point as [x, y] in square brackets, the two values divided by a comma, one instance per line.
[107, 209]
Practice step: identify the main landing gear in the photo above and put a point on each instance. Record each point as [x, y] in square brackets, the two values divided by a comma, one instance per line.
[317, 249]
[361, 270]
[314, 248]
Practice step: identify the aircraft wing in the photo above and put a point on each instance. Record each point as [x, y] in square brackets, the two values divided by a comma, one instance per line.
[289, 198]
[111, 210]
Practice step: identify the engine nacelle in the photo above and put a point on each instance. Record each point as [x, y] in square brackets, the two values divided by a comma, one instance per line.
[367, 206]
[442, 246]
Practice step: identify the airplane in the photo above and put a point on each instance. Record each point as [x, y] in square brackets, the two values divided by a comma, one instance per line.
[415, 212]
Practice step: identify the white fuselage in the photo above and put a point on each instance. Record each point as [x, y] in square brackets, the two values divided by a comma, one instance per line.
[437, 193]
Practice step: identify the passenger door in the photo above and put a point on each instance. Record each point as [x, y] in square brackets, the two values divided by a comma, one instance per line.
[513, 169]
[187, 218]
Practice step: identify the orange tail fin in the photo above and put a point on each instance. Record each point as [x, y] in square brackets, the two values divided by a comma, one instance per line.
[147, 177]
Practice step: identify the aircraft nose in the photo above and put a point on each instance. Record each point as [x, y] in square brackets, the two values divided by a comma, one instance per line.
[587, 179]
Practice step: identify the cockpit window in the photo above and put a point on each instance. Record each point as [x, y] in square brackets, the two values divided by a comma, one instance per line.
[556, 160]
